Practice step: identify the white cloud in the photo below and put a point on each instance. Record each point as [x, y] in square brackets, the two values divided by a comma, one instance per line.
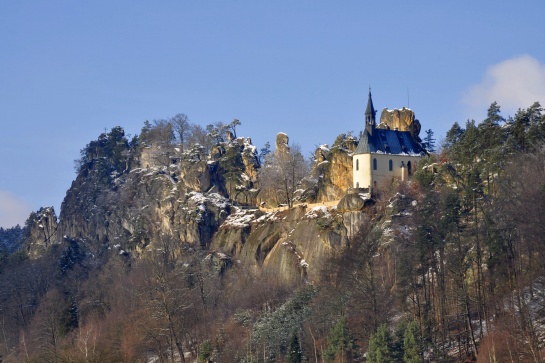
[514, 83]
[13, 211]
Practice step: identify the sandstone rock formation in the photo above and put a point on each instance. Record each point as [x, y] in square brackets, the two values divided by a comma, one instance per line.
[331, 174]
[186, 200]
[42, 231]
[353, 202]
[196, 201]
[402, 120]
[282, 142]
[289, 244]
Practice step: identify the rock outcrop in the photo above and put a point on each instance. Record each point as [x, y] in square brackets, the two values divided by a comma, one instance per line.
[42, 231]
[402, 120]
[331, 174]
[205, 202]
[353, 202]
[282, 143]
[289, 244]
[185, 201]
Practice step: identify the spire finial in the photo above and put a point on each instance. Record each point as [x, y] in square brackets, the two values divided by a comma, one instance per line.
[370, 110]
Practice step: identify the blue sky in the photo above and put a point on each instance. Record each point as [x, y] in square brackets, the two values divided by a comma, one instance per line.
[70, 69]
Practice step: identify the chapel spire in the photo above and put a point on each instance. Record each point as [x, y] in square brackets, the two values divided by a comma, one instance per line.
[370, 111]
[370, 115]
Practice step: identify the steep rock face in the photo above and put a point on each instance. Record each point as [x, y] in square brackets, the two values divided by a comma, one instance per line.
[289, 244]
[353, 222]
[234, 171]
[143, 206]
[182, 202]
[337, 177]
[192, 201]
[331, 174]
[194, 170]
[250, 160]
[42, 231]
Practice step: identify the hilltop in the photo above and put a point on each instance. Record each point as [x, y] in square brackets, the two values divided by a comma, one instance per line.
[186, 244]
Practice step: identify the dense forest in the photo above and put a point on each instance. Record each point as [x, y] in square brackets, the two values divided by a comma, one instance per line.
[447, 267]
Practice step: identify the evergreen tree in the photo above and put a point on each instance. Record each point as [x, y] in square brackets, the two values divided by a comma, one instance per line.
[205, 352]
[412, 350]
[233, 126]
[339, 341]
[294, 350]
[453, 136]
[491, 141]
[536, 130]
[380, 346]
[263, 152]
[517, 129]
[216, 132]
[429, 141]
[272, 332]
[11, 239]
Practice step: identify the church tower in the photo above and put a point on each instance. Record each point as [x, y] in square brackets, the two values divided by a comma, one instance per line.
[370, 115]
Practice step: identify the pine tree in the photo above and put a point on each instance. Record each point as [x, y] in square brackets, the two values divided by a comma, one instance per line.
[380, 346]
[429, 141]
[263, 152]
[491, 142]
[294, 350]
[339, 341]
[412, 351]
[205, 352]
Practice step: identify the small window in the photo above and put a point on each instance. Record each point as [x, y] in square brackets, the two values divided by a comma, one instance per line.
[391, 165]
[375, 164]
[357, 184]
[357, 164]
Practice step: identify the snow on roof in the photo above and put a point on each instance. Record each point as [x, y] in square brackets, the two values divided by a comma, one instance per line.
[390, 142]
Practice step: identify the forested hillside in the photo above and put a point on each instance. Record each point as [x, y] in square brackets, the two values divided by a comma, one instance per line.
[162, 254]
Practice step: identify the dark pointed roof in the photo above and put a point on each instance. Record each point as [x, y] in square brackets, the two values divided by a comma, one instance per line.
[391, 142]
[370, 110]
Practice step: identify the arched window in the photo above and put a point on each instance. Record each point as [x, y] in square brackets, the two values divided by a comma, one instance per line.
[391, 165]
[374, 164]
[357, 164]
[409, 168]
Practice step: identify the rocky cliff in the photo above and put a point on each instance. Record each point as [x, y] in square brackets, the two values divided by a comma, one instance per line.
[205, 201]
[42, 231]
[331, 173]
[186, 201]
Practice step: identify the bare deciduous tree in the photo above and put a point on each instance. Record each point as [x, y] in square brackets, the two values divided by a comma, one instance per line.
[181, 126]
[281, 176]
